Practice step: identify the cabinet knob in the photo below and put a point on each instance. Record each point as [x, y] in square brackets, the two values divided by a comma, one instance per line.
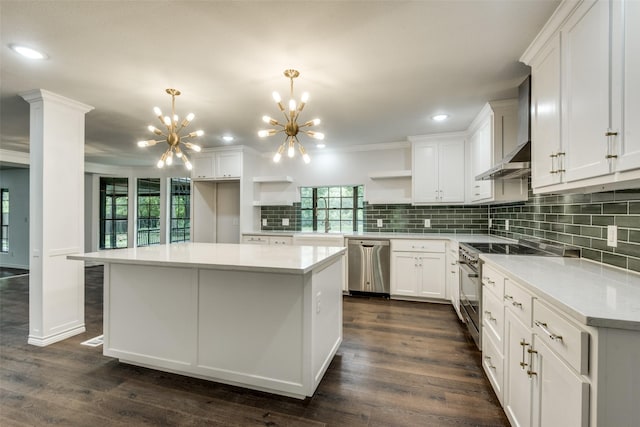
[610, 133]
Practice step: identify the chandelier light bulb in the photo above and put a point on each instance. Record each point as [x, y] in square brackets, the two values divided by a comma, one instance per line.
[190, 117]
[178, 152]
[276, 97]
[188, 165]
[306, 158]
[305, 97]
[194, 147]
[157, 111]
[199, 132]
[292, 105]
[316, 135]
[175, 118]
[154, 130]
[263, 133]
[277, 157]
[291, 151]
[266, 119]
[169, 160]
[315, 122]
[160, 164]
[167, 120]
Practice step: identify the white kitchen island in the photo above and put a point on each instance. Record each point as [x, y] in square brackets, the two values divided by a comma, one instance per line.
[263, 317]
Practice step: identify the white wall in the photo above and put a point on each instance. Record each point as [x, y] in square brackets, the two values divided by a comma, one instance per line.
[17, 181]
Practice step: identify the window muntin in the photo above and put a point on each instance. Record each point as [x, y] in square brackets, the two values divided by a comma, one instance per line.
[180, 210]
[343, 204]
[148, 212]
[114, 213]
[4, 221]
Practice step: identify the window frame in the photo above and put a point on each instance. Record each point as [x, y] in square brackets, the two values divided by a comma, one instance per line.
[116, 221]
[4, 220]
[153, 200]
[319, 212]
[185, 229]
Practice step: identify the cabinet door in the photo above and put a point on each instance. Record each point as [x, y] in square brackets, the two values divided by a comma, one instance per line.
[626, 85]
[481, 160]
[562, 396]
[228, 165]
[451, 172]
[203, 167]
[425, 173]
[432, 275]
[586, 39]
[404, 279]
[518, 387]
[545, 115]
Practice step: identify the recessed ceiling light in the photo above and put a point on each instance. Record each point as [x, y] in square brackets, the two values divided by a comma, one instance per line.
[440, 117]
[227, 138]
[27, 52]
[321, 145]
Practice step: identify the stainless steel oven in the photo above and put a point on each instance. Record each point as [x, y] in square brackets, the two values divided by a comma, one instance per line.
[471, 274]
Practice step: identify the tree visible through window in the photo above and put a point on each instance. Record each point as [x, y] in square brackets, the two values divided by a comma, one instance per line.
[4, 221]
[339, 208]
[114, 212]
[180, 228]
[148, 210]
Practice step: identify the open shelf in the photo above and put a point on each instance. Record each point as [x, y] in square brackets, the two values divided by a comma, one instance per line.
[392, 174]
[270, 178]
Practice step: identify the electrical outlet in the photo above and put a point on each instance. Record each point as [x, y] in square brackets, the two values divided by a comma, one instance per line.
[285, 221]
[427, 223]
[318, 295]
[612, 236]
[506, 225]
[264, 222]
[379, 222]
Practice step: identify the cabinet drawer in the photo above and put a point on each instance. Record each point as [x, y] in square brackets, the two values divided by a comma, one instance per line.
[493, 317]
[418, 245]
[256, 240]
[493, 363]
[280, 240]
[562, 336]
[519, 301]
[493, 280]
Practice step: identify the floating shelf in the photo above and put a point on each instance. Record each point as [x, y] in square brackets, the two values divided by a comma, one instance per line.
[395, 201]
[271, 178]
[273, 203]
[406, 173]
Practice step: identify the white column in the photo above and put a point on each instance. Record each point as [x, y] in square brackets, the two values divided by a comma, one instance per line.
[56, 210]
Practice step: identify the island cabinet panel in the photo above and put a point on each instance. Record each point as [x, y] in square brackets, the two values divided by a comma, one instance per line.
[274, 330]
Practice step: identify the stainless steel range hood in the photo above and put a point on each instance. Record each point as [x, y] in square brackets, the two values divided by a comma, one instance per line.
[517, 163]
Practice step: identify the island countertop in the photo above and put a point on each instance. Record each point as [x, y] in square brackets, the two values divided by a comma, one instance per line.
[262, 258]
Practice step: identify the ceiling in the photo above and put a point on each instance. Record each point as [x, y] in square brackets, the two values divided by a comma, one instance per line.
[376, 70]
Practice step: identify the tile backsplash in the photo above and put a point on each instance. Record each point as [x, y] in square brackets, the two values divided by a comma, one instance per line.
[580, 220]
[575, 219]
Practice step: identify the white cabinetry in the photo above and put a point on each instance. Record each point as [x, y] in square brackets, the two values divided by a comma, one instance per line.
[438, 169]
[418, 268]
[274, 191]
[217, 165]
[257, 239]
[453, 277]
[493, 134]
[585, 97]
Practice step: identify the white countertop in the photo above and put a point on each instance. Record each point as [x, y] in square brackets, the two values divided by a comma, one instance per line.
[263, 258]
[592, 293]
[469, 238]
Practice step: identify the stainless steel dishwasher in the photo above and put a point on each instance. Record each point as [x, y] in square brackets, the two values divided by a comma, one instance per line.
[369, 265]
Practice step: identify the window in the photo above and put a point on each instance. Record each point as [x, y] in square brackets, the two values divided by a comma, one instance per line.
[340, 208]
[180, 221]
[148, 215]
[4, 221]
[114, 212]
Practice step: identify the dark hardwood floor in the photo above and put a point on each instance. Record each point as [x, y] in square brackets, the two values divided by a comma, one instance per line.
[401, 364]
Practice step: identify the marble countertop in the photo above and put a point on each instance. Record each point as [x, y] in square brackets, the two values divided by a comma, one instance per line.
[468, 238]
[592, 293]
[260, 258]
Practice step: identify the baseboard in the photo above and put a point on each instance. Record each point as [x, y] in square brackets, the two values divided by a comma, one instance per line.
[45, 341]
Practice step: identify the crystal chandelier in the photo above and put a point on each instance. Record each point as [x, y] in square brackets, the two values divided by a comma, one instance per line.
[172, 137]
[291, 128]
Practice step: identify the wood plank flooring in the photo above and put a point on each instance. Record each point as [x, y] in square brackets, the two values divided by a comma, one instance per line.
[400, 364]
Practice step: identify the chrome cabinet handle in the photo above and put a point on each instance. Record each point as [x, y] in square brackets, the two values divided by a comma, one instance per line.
[524, 344]
[488, 359]
[516, 304]
[545, 329]
[530, 372]
[508, 297]
[489, 316]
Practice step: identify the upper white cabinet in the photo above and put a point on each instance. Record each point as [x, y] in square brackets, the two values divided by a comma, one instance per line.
[586, 96]
[492, 135]
[217, 165]
[438, 169]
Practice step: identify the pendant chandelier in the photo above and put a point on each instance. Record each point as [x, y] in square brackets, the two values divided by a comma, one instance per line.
[291, 128]
[172, 137]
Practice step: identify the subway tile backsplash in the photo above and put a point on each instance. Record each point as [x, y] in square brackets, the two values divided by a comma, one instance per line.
[580, 220]
[575, 219]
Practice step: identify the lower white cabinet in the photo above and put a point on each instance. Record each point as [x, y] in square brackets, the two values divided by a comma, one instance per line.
[418, 268]
[267, 240]
[518, 386]
[453, 277]
[561, 394]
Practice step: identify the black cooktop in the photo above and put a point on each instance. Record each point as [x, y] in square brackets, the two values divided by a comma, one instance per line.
[506, 248]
